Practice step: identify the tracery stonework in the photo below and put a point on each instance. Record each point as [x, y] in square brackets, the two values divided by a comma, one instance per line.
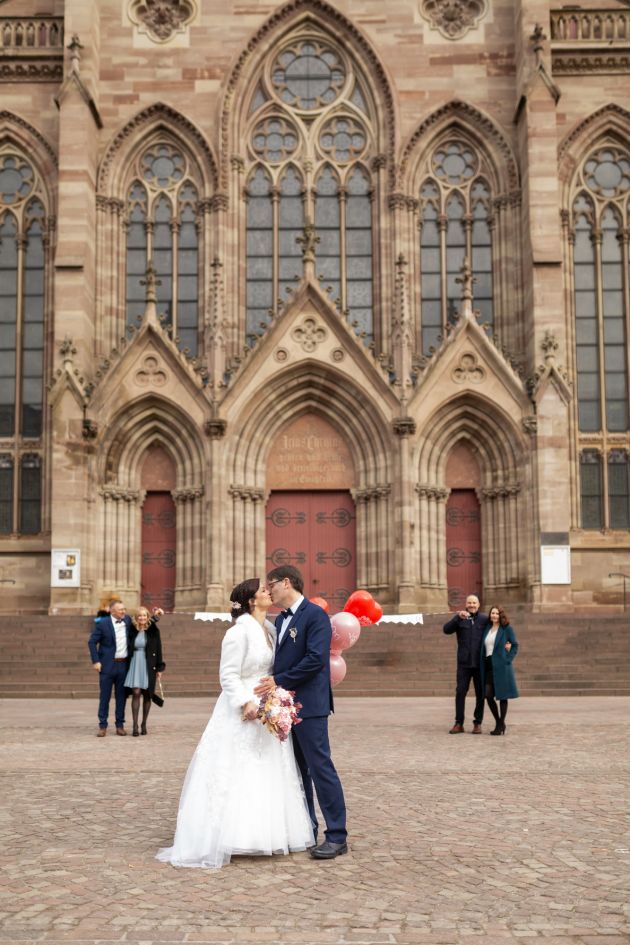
[162, 19]
[453, 18]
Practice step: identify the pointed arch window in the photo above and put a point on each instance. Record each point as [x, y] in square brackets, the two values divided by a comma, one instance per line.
[601, 302]
[605, 489]
[591, 491]
[456, 223]
[311, 108]
[162, 228]
[23, 294]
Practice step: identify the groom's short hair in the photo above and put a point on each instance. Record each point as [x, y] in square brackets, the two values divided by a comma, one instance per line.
[288, 571]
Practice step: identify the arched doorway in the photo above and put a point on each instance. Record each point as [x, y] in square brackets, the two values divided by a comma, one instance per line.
[463, 526]
[310, 514]
[159, 531]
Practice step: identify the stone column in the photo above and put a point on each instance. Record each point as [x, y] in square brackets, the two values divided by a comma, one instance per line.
[119, 570]
[74, 291]
[405, 587]
[189, 548]
[217, 550]
[537, 135]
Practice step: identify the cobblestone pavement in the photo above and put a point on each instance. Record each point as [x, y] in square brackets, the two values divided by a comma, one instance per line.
[453, 839]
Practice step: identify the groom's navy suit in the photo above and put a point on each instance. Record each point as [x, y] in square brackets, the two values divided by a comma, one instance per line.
[302, 663]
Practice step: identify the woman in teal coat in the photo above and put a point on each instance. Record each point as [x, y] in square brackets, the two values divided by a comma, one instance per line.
[499, 646]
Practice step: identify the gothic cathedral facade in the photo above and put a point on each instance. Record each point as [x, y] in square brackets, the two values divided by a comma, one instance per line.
[338, 283]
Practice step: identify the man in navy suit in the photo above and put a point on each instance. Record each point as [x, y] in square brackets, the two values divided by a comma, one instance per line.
[302, 663]
[110, 652]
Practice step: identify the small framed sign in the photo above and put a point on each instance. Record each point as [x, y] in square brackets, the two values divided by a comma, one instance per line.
[555, 564]
[65, 567]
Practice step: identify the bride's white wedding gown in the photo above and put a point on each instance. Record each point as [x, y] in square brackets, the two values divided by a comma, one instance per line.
[243, 791]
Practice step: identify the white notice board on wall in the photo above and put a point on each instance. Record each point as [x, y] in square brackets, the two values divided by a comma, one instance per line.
[65, 567]
[555, 564]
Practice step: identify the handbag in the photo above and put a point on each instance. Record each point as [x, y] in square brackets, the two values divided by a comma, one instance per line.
[158, 700]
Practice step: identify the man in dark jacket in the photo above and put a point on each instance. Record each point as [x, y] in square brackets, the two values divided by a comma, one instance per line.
[469, 625]
[110, 650]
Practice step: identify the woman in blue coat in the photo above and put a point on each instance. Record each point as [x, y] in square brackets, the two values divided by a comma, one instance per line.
[499, 646]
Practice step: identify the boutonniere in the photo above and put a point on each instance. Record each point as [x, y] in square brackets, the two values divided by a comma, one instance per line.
[293, 633]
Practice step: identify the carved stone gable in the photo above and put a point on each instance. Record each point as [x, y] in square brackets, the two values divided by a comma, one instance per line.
[161, 20]
[453, 18]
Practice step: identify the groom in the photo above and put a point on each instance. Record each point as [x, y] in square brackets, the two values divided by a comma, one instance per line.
[302, 663]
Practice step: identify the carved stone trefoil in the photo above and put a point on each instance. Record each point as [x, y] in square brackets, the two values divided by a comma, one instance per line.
[453, 18]
[161, 20]
[468, 371]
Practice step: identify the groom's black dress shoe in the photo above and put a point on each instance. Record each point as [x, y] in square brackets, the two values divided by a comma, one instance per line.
[328, 850]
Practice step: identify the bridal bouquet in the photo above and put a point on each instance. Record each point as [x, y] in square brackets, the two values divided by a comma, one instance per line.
[278, 712]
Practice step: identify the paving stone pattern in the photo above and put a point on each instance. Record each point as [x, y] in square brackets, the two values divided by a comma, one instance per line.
[454, 839]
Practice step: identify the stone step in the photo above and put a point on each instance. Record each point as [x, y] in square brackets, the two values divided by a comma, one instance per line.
[572, 654]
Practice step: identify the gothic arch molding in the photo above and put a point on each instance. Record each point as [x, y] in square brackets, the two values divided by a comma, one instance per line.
[500, 449]
[611, 120]
[141, 128]
[474, 124]
[290, 17]
[150, 420]
[293, 393]
[498, 440]
[321, 391]
[32, 144]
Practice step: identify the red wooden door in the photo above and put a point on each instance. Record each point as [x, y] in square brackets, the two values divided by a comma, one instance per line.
[158, 551]
[463, 547]
[315, 532]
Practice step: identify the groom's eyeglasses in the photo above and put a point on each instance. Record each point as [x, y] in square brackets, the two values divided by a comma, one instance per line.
[270, 584]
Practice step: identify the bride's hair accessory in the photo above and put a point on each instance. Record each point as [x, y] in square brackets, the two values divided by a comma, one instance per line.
[234, 604]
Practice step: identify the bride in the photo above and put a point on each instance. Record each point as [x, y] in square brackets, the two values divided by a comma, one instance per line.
[243, 792]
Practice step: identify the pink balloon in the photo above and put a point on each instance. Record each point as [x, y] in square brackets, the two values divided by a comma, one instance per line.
[338, 668]
[346, 630]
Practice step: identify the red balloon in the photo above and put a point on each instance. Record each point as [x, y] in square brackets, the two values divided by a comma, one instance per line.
[359, 604]
[321, 602]
[338, 668]
[346, 630]
[365, 621]
[375, 612]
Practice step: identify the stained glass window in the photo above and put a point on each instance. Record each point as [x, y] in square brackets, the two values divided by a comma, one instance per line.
[600, 318]
[8, 322]
[23, 259]
[260, 254]
[591, 489]
[455, 224]
[30, 494]
[308, 75]
[162, 210]
[6, 494]
[328, 227]
[33, 323]
[618, 495]
[306, 150]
